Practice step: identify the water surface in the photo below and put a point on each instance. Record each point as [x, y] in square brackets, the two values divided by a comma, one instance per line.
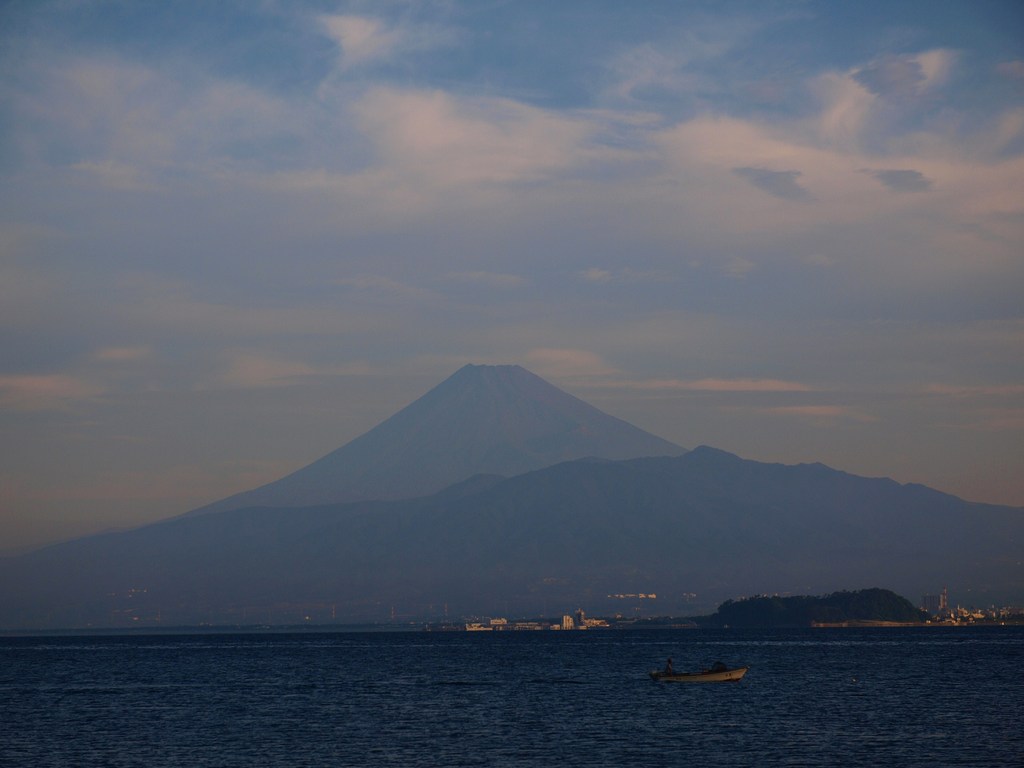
[908, 697]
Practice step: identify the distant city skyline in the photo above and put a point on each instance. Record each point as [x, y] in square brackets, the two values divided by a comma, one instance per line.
[236, 236]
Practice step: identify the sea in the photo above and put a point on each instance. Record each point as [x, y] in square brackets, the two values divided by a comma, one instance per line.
[907, 696]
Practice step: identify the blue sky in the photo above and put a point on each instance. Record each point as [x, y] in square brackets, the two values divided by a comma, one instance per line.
[236, 235]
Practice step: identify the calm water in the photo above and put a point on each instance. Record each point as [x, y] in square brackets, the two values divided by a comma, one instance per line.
[899, 697]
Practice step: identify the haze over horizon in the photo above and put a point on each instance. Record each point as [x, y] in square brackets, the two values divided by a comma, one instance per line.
[236, 236]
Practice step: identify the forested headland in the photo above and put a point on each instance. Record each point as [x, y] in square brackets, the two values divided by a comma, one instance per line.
[879, 606]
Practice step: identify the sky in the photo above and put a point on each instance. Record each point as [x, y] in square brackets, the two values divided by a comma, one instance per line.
[236, 235]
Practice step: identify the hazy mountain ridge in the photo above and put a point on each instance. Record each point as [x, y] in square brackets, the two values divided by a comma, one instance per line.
[568, 535]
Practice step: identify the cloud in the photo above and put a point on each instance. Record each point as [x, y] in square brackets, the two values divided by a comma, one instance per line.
[381, 285]
[491, 279]
[781, 184]
[361, 39]
[566, 363]
[123, 354]
[724, 385]
[892, 76]
[720, 166]
[130, 125]
[621, 275]
[976, 209]
[597, 275]
[43, 392]
[937, 66]
[846, 107]
[983, 390]
[820, 413]
[680, 64]
[364, 40]
[874, 105]
[900, 180]
[1008, 131]
[902, 76]
[247, 370]
[435, 137]
[645, 69]
[739, 267]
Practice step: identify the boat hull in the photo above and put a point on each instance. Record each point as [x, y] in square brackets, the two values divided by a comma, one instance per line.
[723, 676]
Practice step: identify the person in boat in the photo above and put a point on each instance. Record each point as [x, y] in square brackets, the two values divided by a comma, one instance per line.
[718, 667]
[668, 667]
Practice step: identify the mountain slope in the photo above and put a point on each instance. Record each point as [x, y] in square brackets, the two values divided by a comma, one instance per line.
[483, 419]
[544, 542]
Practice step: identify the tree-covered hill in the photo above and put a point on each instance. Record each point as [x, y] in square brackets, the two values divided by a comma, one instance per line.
[861, 605]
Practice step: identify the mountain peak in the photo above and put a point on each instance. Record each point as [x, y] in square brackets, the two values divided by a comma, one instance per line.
[483, 419]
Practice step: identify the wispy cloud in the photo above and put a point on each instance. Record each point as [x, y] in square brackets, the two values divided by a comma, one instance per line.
[902, 180]
[43, 392]
[782, 184]
[646, 69]
[892, 76]
[619, 275]
[125, 123]
[123, 354]
[567, 363]
[977, 390]
[365, 40]
[677, 65]
[739, 267]
[821, 413]
[491, 279]
[431, 135]
[248, 370]
[597, 275]
[382, 285]
[899, 76]
[724, 385]
[361, 38]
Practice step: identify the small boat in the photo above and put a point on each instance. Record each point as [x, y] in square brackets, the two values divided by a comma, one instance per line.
[719, 673]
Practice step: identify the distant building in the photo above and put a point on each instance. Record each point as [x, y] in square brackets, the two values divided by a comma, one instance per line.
[936, 605]
[568, 623]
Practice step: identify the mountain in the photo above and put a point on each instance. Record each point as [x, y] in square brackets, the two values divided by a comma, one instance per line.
[572, 535]
[483, 419]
